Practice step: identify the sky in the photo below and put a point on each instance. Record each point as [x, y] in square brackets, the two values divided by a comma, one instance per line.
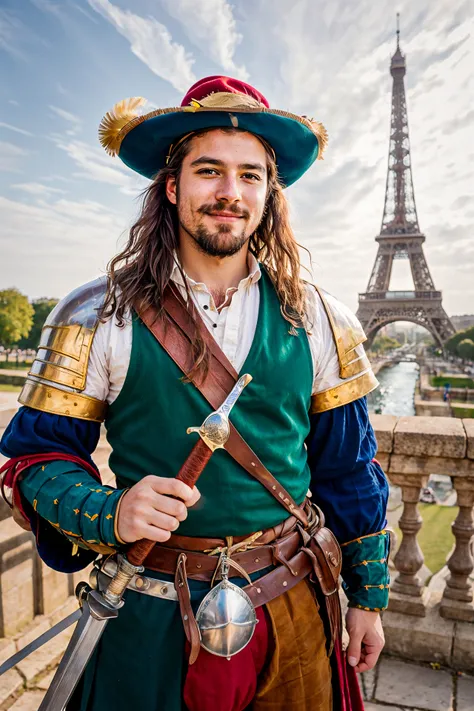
[66, 206]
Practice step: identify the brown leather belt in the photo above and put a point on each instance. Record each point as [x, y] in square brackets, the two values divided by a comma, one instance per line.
[201, 566]
[272, 547]
[193, 543]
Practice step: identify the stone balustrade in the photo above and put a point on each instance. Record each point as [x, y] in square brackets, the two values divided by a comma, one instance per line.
[432, 622]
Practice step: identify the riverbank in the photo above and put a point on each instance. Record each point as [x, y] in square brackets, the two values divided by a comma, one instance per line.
[396, 392]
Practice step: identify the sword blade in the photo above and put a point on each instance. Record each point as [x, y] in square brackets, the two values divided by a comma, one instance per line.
[39, 641]
[95, 615]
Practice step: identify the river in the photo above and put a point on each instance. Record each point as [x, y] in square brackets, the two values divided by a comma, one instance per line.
[396, 393]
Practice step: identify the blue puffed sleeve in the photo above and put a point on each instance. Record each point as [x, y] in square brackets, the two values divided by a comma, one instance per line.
[352, 491]
[34, 432]
[347, 485]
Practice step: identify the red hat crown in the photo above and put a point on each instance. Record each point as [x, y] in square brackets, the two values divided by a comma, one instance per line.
[215, 84]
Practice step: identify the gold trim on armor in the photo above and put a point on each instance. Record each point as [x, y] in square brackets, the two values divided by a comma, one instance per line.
[348, 334]
[59, 402]
[359, 365]
[344, 393]
[63, 355]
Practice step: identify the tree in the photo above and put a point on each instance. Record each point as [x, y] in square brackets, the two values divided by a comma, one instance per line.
[16, 316]
[452, 343]
[42, 308]
[466, 349]
[381, 344]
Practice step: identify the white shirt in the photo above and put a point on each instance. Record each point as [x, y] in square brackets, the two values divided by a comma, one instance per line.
[233, 327]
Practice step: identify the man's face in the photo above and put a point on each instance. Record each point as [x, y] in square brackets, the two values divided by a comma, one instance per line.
[221, 190]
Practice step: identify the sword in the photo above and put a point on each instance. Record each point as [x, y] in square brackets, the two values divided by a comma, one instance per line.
[39, 641]
[100, 607]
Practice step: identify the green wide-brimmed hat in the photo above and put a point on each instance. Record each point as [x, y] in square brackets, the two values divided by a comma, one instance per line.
[144, 142]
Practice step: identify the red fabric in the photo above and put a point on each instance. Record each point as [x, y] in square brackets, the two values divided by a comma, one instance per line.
[214, 84]
[346, 685]
[217, 684]
[12, 469]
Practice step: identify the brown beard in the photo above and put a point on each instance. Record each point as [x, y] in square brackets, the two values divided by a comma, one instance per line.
[208, 241]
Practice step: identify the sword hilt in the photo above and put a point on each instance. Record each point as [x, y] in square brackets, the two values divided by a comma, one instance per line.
[189, 474]
[213, 435]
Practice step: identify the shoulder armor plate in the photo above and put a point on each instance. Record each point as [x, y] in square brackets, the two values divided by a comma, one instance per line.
[66, 338]
[354, 366]
[63, 353]
[347, 333]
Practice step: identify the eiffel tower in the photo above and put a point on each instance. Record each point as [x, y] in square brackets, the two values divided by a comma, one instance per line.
[400, 237]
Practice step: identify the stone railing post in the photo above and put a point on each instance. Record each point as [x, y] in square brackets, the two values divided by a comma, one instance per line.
[421, 446]
[408, 593]
[457, 602]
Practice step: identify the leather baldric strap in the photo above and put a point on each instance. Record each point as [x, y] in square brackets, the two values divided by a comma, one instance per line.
[176, 335]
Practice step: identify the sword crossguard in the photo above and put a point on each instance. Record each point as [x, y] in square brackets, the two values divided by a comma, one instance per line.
[215, 430]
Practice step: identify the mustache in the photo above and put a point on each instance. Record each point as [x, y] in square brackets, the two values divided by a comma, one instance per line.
[222, 207]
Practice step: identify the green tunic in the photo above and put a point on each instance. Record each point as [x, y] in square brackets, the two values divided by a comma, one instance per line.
[140, 661]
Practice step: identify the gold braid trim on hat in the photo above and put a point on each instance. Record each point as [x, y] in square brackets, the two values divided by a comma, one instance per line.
[111, 125]
[321, 134]
[123, 118]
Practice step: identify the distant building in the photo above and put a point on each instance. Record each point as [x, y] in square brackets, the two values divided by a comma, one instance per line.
[463, 322]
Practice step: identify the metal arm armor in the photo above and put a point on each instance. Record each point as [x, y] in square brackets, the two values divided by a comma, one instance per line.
[354, 366]
[59, 372]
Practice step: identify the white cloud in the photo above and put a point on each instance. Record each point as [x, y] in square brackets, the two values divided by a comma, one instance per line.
[74, 121]
[13, 102]
[11, 157]
[152, 43]
[38, 189]
[78, 238]
[94, 164]
[10, 29]
[47, 6]
[84, 12]
[327, 60]
[15, 129]
[327, 68]
[62, 90]
[212, 28]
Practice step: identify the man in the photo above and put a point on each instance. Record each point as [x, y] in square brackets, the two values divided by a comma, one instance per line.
[212, 256]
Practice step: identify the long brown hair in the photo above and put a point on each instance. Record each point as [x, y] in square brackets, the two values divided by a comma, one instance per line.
[140, 273]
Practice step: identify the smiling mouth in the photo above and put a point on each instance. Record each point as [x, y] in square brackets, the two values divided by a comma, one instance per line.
[225, 216]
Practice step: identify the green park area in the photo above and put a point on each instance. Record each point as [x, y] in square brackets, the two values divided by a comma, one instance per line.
[4, 388]
[13, 365]
[455, 381]
[462, 412]
[435, 537]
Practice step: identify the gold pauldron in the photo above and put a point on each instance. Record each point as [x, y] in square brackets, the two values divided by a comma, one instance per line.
[344, 393]
[348, 334]
[47, 398]
[66, 339]
[63, 355]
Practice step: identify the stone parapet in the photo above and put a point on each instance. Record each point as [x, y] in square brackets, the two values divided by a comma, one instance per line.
[469, 429]
[430, 437]
[445, 438]
[413, 448]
